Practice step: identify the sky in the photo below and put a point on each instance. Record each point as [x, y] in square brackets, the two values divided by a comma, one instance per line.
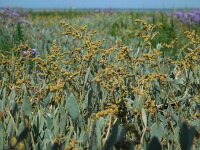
[142, 4]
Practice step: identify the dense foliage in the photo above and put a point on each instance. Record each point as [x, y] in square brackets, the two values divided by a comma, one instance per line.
[104, 80]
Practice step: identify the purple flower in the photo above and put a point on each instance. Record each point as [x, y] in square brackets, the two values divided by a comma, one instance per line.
[192, 17]
[7, 12]
[33, 53]
[14, 15]
[25, 52]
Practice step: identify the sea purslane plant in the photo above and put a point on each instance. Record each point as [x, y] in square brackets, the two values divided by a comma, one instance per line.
[191, 18]
[85, 96]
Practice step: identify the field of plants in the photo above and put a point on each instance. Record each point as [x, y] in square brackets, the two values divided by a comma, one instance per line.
[99, 80]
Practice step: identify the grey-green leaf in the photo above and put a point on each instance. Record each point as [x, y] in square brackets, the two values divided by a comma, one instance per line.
[144, 117]
[72, 107]
[87, 75]
[26, 106]
[63, 119]
[93, 137]
[1, 136]
[157, 130]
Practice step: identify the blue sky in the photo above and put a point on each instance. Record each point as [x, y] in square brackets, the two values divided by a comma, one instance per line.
[101, 3]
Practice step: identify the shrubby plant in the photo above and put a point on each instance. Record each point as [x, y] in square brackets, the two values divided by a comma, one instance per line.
[81, 95]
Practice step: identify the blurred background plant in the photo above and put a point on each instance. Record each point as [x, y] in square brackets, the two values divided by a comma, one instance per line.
[12, 23]
[189, 17]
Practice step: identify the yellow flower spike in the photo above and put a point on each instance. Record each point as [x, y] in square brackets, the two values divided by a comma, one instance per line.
[19, 81]
[139, 20]
[62, 23]
[14, 141]
[21, 146]
[160, 25]
[135, 111]
[98, 80]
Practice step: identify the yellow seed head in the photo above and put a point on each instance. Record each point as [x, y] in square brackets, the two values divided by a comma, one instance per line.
[13, 141]
[21, 146]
